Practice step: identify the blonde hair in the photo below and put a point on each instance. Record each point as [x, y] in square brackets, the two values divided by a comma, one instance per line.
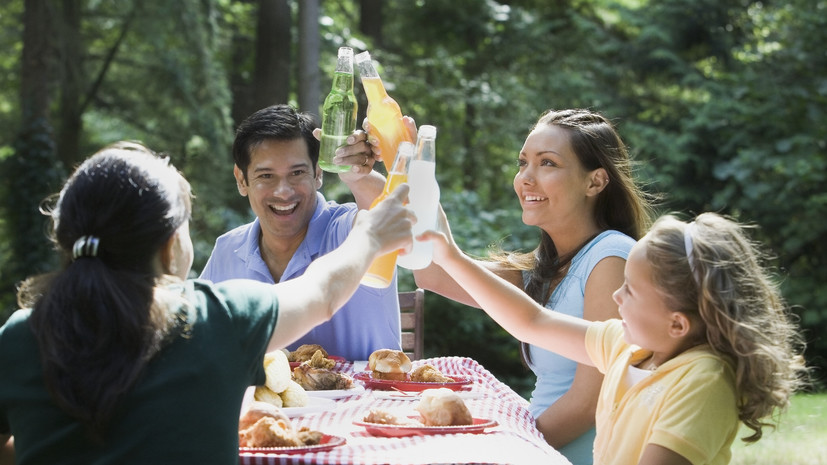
[711, 270]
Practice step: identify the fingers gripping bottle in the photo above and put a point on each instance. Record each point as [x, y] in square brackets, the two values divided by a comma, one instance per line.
[338, 112]
[423, 198]
[383, 112]
[380, 273]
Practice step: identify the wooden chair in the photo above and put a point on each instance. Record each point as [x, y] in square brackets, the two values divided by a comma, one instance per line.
[412, 315]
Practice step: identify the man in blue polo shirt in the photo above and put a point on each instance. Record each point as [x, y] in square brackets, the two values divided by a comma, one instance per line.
[276, 168]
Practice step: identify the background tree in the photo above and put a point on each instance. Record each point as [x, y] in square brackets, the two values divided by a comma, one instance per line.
[722, 103]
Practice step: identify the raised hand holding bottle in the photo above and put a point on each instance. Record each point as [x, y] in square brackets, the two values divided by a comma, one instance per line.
[338, 113]
[380, 273]
[423, 198]
[383, 112]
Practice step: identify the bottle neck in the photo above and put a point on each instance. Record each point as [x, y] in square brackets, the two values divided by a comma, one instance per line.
[374, 89]
[425, 151]
[342, 82]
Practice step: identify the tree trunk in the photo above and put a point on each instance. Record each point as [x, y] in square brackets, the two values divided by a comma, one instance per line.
[71, 121]
[309, 45]
[271, 79]
[38, 59]
[33, 170]
[370, 20]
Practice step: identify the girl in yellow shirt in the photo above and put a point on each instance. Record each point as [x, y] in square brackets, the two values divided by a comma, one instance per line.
[704, 341]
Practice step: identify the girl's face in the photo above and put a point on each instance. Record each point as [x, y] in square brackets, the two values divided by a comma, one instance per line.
[551, 183]
[646, 317]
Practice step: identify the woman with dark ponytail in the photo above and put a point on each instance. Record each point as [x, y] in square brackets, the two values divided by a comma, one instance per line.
[118, 358]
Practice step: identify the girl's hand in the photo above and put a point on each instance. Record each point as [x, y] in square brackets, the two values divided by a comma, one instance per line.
[444, 245]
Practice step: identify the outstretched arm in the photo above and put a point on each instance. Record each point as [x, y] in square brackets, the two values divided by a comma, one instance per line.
[331, 280]
[508, 305]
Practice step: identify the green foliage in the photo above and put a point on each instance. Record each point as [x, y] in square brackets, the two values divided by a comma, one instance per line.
[722, 103]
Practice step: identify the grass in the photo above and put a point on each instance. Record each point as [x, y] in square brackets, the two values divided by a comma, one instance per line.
[798, 440]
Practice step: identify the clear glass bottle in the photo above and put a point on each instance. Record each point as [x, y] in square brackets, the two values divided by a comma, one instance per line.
[423, 198]
[383, 112]
[380, 273]
[338, 112]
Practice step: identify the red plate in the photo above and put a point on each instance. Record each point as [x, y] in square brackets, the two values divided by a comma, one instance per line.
[376, 429]
[328, 442]
[389, 384]
[335, 358]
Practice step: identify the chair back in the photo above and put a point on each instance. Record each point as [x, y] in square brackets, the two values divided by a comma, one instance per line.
[412, 316]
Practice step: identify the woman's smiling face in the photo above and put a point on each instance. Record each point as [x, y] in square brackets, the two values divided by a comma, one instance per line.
[551, 182]
[281, 186]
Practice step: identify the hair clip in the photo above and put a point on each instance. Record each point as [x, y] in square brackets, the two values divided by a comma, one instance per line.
[85, 246]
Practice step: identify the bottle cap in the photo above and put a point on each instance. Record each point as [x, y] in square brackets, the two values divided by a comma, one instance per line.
[427, 131]
[344, 64]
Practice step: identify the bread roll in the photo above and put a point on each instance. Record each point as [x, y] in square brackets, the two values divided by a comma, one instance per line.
[294, 395]
[443, 407]
[277, 370]
[265, 394]
[389, 364]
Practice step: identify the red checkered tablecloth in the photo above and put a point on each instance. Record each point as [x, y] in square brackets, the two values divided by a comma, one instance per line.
[514, 440]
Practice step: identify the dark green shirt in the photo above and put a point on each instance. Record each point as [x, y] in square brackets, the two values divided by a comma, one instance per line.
[185, 406]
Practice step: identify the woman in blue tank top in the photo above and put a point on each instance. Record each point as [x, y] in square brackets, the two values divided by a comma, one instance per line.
[575, 183]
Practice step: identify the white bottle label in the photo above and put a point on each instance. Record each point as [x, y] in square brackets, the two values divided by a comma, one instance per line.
[424, 201]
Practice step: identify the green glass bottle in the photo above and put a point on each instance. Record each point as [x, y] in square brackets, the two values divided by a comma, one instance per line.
[338, 112]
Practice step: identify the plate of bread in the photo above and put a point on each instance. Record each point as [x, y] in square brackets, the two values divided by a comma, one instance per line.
[265, 428]
[392, 370]
[441, 411]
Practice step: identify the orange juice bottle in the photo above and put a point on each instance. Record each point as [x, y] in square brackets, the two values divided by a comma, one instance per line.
[383, 112]
[380, 273]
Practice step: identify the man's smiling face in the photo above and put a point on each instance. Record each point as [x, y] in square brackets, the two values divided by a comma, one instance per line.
[281, 184]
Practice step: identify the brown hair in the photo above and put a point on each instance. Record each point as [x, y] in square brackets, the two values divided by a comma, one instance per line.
[713, 272]
[621, 206]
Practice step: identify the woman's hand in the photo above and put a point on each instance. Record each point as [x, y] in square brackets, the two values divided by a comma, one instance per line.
[373, 142]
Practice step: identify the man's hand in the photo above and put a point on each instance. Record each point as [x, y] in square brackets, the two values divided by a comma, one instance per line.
[356, 152]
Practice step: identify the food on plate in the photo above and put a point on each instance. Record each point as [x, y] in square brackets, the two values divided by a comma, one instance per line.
[305, 352]
[279, 388]
[277, 369]
[383, 417]
[265, 394]
[389, 364]
[437, 407]
[263, 425]
[320, 360]
[320, 379]
[257, 410]
[429, 374]
[294, 395]
[443, 407]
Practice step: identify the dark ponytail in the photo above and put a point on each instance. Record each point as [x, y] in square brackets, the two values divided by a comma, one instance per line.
[95, 320]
